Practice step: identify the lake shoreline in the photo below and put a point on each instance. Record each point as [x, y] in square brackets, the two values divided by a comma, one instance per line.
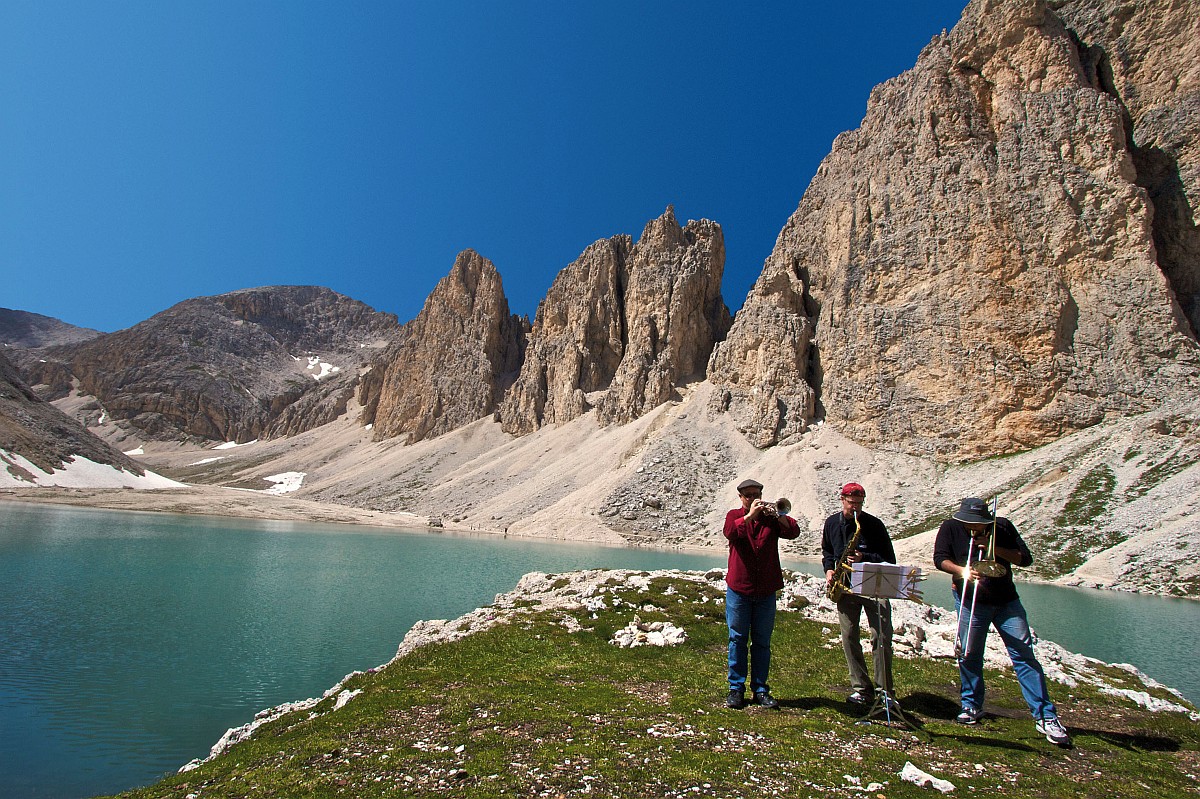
[200, 500]
[221, 501]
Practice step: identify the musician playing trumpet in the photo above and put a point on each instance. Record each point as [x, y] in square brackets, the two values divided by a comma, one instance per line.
[753, 579]
[978, 549]
[840, 549]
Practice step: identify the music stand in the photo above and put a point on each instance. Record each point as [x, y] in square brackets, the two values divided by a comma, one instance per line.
[886, 581]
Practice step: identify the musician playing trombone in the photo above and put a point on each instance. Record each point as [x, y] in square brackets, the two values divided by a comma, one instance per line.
[978, 549]
[873, 545]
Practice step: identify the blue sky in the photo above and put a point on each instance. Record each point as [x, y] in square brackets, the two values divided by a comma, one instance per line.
[155, 151]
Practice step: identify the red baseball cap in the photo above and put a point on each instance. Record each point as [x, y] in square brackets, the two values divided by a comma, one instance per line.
[853, 490]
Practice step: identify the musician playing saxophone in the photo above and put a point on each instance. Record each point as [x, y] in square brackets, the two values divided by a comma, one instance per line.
[874, 545]
[974, 536]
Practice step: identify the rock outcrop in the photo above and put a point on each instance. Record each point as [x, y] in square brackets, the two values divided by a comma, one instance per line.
[622, 326]
[577, 341]
[27, 330]
[974, 270]
[453, 362]
[223, 368]
[1147, 55]
[674, 314]
[43, 435]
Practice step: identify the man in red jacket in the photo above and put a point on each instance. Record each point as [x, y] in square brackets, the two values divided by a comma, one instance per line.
[754, 575]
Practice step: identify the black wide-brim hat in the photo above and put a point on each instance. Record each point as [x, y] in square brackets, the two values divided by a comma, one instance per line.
[973, 511]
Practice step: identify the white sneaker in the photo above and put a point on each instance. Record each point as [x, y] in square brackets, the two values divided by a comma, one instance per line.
[1054, 731]
[970, 715]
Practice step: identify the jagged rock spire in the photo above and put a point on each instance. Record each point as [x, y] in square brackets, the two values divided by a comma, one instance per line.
[622, 326]
[454, 361]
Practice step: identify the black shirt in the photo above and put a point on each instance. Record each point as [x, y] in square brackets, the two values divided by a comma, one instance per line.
[953, 543]
[839, 529]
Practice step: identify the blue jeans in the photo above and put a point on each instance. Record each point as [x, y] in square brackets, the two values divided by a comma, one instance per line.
[751, 620]
[1009, 620]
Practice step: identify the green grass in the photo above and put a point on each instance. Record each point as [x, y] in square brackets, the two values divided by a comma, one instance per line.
[1078, 538]
[1071, 549]
[1158, 473]
[930, 522]
[528, 709]
[1089, 499]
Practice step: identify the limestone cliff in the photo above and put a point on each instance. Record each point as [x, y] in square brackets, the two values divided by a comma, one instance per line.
[622, 326]
[1147, 55]
[577, 341]
[974, 269]
[673, 314]
[454, 360]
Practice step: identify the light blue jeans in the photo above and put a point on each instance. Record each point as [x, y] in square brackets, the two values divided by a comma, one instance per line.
[1009, 620]
[751, 620]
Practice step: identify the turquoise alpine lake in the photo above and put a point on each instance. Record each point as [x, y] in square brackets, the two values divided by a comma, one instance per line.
[129, 642]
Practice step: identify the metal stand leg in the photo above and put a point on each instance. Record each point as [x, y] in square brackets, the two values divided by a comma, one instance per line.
[885, 708]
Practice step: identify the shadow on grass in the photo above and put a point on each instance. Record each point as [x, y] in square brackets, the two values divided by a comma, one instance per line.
[933, 706]
[809, 703]
[938, 707]
[1132, 742]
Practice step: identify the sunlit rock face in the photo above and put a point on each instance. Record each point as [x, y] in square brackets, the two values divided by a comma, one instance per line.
[455, 358]
[623, 326]
[976, 268]
[576, 343]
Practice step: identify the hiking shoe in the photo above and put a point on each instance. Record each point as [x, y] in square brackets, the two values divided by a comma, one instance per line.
[970, 715]
[736, 700]
[766, 700]
[1054, 731]
[860, 698]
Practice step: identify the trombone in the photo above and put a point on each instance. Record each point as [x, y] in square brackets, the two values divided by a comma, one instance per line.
[987, 566]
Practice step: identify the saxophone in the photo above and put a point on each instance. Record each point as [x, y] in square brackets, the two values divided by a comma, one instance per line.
[841, 573]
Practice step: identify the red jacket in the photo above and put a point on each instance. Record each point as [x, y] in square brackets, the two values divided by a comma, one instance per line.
[754, 552]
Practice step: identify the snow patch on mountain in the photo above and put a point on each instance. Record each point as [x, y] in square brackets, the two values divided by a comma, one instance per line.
[77, 472]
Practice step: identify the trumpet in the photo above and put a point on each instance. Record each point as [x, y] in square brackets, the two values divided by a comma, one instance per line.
[780, 507]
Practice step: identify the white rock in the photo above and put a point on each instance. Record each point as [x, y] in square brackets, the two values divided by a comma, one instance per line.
[911, 773]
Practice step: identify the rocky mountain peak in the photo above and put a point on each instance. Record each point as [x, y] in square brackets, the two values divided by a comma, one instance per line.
[622, 326]
[235, 367]
[576, 343]
[674, 314]
[25, 330]
[454, 360]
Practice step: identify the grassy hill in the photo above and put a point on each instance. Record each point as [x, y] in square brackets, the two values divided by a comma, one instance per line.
[528, 697]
